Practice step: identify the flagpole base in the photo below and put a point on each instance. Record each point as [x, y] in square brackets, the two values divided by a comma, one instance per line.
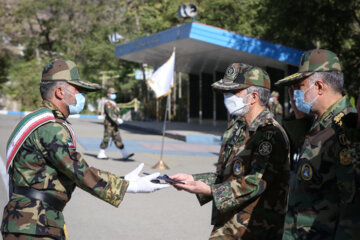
[160, 165]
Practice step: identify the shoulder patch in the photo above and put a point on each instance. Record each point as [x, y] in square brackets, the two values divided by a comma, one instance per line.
[306, 172]
[237, 168]
[265, 148]
[268, 134]
[345, 158]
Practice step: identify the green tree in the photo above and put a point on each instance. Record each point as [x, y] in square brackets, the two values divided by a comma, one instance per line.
[24, 75]
[334, 24]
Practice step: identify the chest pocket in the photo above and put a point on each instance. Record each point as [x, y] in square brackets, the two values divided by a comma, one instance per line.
[315, 157]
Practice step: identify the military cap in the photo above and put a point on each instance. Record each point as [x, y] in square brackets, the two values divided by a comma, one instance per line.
[316, 60]
[66, 70]
[112, 90]
[274, 94]
[241, 75]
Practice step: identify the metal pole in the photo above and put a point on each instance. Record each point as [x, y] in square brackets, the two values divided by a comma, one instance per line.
[161, 164]
[214, 101]
[200, 98]
[164, 128]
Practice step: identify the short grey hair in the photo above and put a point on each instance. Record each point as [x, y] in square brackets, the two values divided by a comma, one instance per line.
[264, 94]
[47, 88]
[335, 80]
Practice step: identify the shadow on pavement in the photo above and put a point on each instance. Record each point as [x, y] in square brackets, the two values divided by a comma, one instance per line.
[123, 160]
[106, 159]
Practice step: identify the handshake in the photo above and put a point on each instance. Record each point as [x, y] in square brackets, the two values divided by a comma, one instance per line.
[144, 184]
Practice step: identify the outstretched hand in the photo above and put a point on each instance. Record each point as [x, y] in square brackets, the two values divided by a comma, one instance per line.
[139, 184]
[190, 185]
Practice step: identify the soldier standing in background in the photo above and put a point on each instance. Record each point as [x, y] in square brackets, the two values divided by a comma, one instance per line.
[250, 187]
[44, 166]
[275, 107]
[323, 184]
[111, 127]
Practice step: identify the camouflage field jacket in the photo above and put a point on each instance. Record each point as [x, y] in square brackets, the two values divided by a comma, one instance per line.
[112, 112]
[323, 183]
[250, 186]
[48, 161]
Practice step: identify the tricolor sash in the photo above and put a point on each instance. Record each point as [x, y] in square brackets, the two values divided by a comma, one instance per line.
[112, 103]
[23, 130]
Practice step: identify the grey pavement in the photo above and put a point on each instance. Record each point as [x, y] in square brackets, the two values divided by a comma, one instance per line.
[166, 214]
[194, 131]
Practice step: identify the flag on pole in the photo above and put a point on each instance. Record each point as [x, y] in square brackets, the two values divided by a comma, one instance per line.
[162, 80]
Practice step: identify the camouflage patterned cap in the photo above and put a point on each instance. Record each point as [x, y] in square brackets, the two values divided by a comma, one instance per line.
[66, 70]
[241, 75]
[316, 60]
[274, 94]
[112, 90]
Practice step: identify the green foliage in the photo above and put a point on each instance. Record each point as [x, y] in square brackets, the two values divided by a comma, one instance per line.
[233, 15]
[24, 84]
[78, 30]
[334, 24]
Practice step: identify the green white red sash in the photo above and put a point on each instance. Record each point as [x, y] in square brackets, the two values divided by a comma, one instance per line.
[23, 130]
[112, 103]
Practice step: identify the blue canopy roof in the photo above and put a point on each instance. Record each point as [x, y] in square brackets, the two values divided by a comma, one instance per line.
[204, 48]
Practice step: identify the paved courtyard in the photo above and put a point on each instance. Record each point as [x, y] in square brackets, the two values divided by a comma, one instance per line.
[169, 213]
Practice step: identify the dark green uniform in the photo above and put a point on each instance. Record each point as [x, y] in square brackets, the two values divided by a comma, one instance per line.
[47, 161]
[324, 181]
[250, 186]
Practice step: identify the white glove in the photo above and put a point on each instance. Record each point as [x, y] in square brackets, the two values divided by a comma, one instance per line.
[142, 184]
[120, 121]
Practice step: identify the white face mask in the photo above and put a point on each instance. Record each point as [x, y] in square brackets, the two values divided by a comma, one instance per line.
[235, 105]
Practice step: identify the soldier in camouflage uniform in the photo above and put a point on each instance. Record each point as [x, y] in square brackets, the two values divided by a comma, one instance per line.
[45, 168]
[250, 186]
[275, 107]
[322, 187]
[111, 127]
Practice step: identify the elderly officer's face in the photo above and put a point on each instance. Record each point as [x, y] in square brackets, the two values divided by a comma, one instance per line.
[70, 92]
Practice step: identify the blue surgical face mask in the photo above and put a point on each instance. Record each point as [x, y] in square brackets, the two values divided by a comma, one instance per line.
[80, 103]
[300, 100]
[112, 96]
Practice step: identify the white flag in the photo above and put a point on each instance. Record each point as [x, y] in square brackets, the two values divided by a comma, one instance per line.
[162, 80]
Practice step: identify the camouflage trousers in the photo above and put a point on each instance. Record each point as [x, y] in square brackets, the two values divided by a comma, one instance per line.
[111, 131]
[11, 236]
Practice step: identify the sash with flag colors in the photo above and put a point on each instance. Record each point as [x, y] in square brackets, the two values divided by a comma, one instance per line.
[23, 130]
[162, 80]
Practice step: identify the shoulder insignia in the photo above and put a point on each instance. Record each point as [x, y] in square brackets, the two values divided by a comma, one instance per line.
[342, 139]
[345, 158]
[329, 116]
[58, 114]
[71, 145]
[338, 117]
[268, 134]
[265, 148]
[306, 172]
[237, 168]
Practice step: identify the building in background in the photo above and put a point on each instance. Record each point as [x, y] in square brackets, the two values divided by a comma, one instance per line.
[203, 52]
